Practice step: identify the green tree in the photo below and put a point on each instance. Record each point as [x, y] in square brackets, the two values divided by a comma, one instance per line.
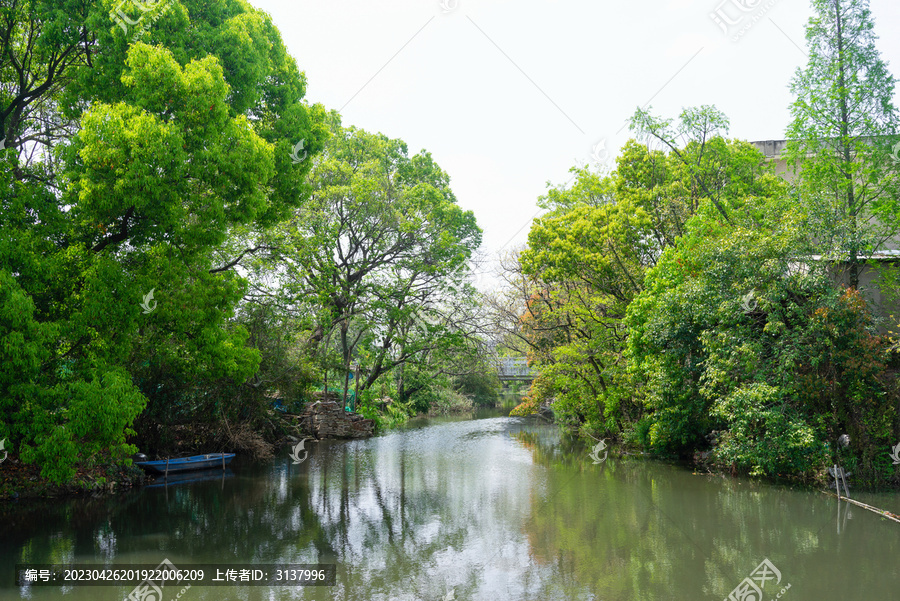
[752, 353]
[127, 166]
[844, 125]
[377, 253]
[698, 128]
[587, 259]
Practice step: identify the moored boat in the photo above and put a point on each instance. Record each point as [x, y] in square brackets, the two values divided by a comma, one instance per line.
[184, 464]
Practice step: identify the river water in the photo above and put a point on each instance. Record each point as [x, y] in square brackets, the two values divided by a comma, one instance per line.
[491, 509]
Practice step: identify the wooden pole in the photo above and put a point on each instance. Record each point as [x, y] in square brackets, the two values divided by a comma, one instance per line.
[881, 512]
[356, 386]
[837, 482]
[223, 462]
[839, 516]
[167, 467]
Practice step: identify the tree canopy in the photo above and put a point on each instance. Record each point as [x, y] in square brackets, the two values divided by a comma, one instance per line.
[126, 165]
[842, 135]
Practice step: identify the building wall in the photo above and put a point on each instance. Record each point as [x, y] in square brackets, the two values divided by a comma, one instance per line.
[870, 280]
[773, 150]
[877, 298]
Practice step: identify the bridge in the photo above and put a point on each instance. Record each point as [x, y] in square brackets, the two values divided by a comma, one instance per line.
[515, 368]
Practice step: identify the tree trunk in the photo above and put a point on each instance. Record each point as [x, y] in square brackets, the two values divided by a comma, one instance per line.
[345, 347]
[845, 148]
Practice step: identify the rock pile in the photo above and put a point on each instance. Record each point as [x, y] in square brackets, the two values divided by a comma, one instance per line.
[327, 419]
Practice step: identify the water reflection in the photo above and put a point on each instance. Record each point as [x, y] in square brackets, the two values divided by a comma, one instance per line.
[490, 509]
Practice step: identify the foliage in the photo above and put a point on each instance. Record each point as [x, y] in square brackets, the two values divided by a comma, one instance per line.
[586, 260]
[842, 135]
[378, 257]
[529, 406]
[286, 370]
[684, 303]
[772, 377]
[589, 260]
[539, 391]
[450, 401]
[481, 384]
[128, 164]
[396, 414]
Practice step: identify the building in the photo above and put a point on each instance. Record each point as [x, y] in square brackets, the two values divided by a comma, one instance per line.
[884, 302]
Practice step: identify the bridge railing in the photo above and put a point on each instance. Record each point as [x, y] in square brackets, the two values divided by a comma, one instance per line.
[515, 367]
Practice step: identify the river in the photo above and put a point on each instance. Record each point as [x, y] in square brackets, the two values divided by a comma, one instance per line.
[487, 509]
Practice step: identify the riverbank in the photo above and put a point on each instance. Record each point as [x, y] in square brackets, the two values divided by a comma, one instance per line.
[321, 420]
[22, 481]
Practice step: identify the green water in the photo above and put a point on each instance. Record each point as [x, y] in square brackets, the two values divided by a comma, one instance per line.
[491, 509]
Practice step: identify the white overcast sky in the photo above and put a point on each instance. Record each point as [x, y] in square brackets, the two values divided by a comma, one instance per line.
[507, 95]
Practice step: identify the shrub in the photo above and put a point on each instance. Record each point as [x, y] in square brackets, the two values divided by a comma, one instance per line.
[782, 373]
[450, 401]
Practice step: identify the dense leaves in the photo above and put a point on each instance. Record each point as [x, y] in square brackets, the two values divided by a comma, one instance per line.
[378, 257]
[680, 325]
[692, 303]
[749, 351]
[587, 260]
[130, 156]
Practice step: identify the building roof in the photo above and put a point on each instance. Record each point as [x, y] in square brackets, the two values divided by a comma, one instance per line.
[881, 255]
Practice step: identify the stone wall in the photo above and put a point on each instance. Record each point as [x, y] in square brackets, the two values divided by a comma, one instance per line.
[327, 419]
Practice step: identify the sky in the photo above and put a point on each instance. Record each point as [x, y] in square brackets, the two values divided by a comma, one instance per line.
[508, 95]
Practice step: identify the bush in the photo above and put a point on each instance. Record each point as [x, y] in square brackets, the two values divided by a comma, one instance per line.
[81, 422]
[766, 434]
[449, 401]
[483, 387]
[782, 373]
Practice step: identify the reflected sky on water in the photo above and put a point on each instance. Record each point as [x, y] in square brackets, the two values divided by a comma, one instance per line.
[486, 509]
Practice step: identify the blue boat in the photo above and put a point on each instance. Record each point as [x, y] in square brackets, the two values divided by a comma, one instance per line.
[184, 464]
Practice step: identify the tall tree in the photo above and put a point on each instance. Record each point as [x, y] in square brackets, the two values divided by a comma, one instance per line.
[375, 251]
[843, 129]
[127, 165]
[587, 259]
[697, 127]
